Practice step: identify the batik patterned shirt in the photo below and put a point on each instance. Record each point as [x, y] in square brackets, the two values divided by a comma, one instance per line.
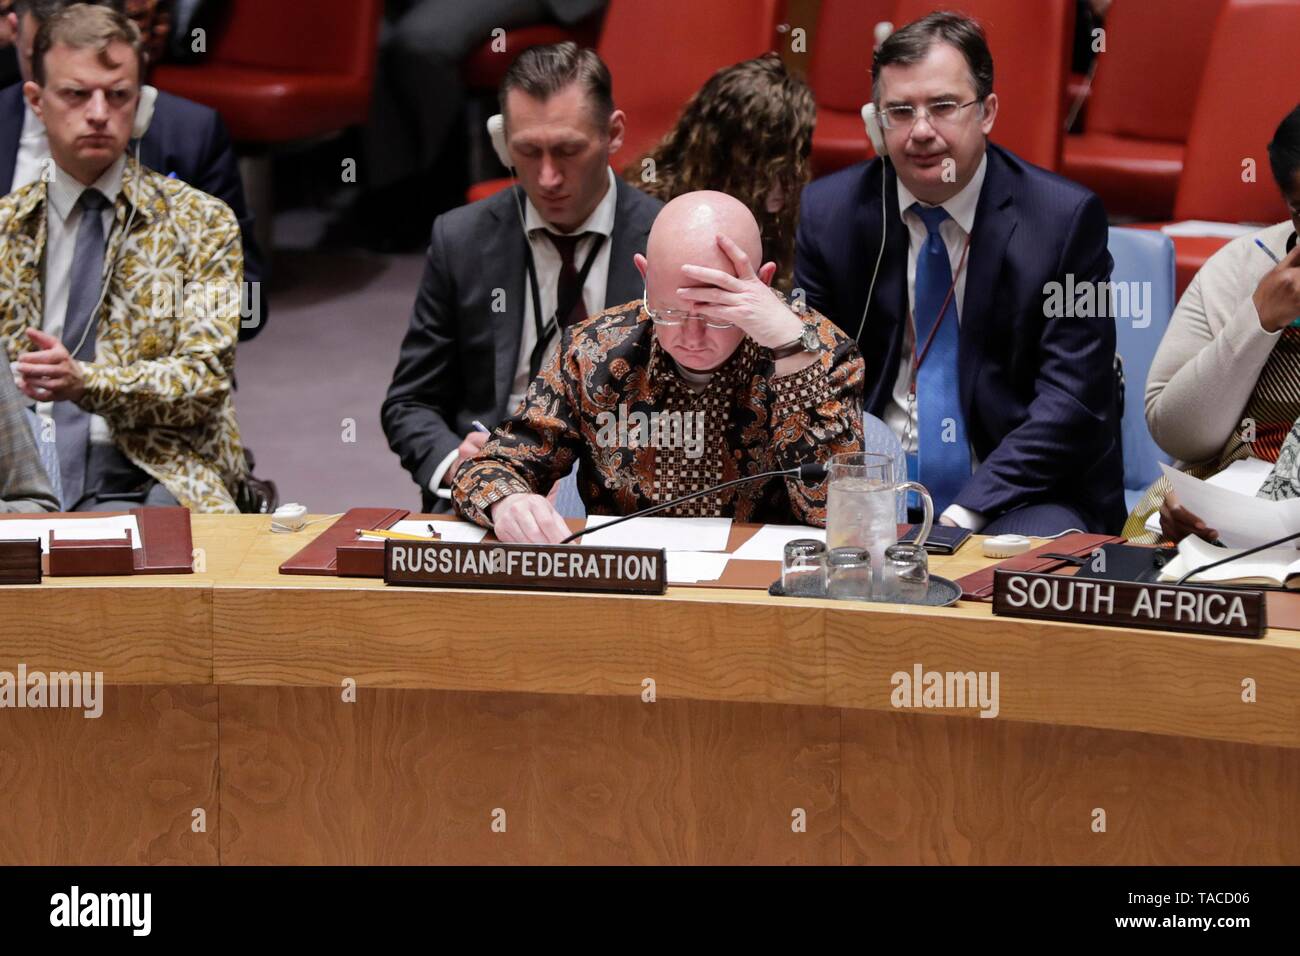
[165, 335]
[611, 399]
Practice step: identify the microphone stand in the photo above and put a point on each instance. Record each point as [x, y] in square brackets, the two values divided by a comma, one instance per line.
[814, 471]
[1215, 564]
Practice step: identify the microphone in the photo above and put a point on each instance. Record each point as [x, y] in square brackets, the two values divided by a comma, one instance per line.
[809, 471]
[1247, 552]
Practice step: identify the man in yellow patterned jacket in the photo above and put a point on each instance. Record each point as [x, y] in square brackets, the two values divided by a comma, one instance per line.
[119, 299]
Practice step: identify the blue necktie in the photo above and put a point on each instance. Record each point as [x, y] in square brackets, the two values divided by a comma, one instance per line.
[71, 423]
[943, 466]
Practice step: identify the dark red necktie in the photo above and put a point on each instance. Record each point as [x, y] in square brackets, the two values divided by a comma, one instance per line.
[569, 307]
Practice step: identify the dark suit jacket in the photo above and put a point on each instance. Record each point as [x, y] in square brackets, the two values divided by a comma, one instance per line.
[459, 356]
[185, 138]
[1038, 394]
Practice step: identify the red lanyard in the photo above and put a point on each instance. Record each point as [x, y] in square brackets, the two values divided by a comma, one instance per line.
[943, 311]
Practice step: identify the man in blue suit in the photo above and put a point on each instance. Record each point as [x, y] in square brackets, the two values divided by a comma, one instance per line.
[185, 138]
[941, 261]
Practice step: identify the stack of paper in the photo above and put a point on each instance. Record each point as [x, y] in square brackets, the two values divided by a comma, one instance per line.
[1272, 567]
[71, 529]
[1242, 520]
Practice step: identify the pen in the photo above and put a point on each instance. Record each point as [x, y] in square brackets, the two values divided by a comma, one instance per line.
[395, 535]
[487, 431]
[1267, 251]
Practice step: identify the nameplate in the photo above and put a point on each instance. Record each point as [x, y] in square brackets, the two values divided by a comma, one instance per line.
[20, 561]
[534, 567]
[1226, 612]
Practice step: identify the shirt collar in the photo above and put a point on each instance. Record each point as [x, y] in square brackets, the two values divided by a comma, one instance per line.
[960, 207]
[65, 190]
[601, 219]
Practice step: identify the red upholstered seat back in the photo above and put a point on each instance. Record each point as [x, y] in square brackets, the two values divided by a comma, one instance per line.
[1252, 80]
[660, 53]
[298, 36]
[840, 73]
[1030, 42]
[1148, 77]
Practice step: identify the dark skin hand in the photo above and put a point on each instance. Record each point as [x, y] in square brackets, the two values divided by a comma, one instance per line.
[1176, 522]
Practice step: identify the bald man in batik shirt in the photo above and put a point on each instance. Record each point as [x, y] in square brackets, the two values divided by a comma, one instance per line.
[712, 376]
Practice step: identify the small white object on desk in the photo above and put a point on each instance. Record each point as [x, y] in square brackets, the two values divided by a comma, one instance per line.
[1006, 545]
[289, 518]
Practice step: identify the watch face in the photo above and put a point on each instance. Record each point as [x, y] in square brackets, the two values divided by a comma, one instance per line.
[811, 341]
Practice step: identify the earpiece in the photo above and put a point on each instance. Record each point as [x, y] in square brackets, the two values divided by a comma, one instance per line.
[144, 112]
[496, 127]
[871, 120]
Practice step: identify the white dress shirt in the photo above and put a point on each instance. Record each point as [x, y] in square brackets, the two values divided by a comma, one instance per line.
[63, 217]
[546, 260]
[33, 151]
[900, 414]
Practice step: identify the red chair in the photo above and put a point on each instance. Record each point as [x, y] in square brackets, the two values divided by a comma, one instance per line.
[1030, 42]
[1140, 108]
[485, 68]
[840, 77]
[285, 71]
[280, 73]
[660, 54]
[1252, 82]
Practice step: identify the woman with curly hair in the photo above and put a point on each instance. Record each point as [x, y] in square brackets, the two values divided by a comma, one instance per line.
[747, 133]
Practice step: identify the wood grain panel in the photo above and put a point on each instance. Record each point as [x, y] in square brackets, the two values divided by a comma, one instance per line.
[546, 643]
[117, 789]
[413, 777]
[1146, 681]
[951, 790]
[134, 635]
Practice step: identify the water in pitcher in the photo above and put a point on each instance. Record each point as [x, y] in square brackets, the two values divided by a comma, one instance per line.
[862, 513]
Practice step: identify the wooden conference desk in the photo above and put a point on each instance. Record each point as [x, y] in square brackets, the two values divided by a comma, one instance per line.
[226, 692]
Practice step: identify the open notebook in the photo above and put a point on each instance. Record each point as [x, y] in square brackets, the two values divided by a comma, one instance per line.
[1276, 567]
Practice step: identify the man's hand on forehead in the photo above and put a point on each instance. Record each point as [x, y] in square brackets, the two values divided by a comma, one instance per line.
[744, 299]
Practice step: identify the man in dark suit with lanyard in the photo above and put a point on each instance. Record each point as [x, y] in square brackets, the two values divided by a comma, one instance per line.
[940, 260]
[504, 274]
[184, 139]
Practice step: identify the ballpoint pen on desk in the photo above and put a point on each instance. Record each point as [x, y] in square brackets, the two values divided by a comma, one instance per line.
[394, 535]
[1295, 323]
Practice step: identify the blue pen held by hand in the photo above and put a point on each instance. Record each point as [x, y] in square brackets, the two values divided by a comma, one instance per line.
[1277, 262]
[481, 427]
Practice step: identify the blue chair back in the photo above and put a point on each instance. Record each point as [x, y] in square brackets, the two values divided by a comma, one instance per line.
[567, 500]
[879, 438]
[1144, 264]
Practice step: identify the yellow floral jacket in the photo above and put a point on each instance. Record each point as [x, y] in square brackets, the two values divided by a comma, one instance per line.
[165, 355]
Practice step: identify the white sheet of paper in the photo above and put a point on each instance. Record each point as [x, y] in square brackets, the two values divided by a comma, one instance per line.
[1243, 521]
[1244, 476]
[768, 544]
[1274, 564]
[1202, 227]
[76, 529]
[447, 530]
[671, 534]
[692, 567]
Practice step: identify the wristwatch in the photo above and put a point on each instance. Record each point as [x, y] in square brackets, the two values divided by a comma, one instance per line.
[808, 341]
